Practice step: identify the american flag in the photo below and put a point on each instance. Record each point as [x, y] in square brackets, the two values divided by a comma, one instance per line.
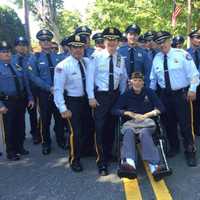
[176, 11]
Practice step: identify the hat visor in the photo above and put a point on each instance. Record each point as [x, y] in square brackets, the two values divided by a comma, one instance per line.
[22, 44]
[76, 44]
[161, 40]
[112, 37]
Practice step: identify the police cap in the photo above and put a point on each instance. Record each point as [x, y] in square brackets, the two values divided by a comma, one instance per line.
[65, 41]
[21, 41]
[98, 37]
[111, 33]
[141, 39]
[134, 28]
[77, 40]
[195, 34]
[161, 36]
[179, 39]
[149, 36]
[4, 46]
[83, 30]
[44, 35]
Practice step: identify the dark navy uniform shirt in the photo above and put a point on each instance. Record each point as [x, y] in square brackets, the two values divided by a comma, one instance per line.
[141, 103]
[40, 71]
[141, 60]
[7, 81]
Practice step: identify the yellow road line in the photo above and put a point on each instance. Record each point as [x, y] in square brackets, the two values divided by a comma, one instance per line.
[132, 189]
[160, 189]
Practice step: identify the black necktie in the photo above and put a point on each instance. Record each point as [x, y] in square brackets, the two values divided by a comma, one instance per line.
[82, 76]
[166, 73]
[197, 58]
[111, 75]
[20, 61]
[17, 82]
[131, 54]
[50, 64]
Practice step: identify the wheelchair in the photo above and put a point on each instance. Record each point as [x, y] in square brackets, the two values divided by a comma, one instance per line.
[159, 140]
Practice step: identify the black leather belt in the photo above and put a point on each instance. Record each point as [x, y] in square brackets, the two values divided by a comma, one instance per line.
[174, 92]
[12, 98]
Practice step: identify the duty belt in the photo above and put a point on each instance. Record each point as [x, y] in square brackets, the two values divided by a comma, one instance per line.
[12, 97]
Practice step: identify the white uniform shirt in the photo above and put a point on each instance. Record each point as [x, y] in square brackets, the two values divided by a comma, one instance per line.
[181, 68]
[97, 76]
[68, 77]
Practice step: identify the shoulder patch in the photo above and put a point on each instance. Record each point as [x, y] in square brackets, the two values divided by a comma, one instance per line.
[188, 56]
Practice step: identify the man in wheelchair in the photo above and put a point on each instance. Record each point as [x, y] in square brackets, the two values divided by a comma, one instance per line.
[140, 105]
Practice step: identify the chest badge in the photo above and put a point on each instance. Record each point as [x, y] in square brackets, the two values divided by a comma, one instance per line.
[139, 55]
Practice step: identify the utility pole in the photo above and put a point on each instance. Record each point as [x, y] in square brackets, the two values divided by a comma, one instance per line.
[189, 21]
[26, 17]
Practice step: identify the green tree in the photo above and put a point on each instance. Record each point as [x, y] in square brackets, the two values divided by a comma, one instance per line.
[68, 21]
[149, 14]
[10, 25]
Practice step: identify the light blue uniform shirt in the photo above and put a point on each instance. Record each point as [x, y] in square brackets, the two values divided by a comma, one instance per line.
[68, 77]
[181, 68]
[97, 76]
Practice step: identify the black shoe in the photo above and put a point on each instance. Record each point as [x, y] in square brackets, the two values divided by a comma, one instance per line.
[172, 153]
[191, 159]
[76, 166]
[13, 156]
[46, 150]
[23, 151]
[103, 170]
[1, 154]
[62, 146]
[161, 172]
[127, 171]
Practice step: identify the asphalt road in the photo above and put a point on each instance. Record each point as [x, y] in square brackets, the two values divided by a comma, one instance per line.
[38, 177]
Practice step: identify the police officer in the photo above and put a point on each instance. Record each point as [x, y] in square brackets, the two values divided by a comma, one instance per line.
[14, 89]
[65, 48]
[136, 57]
[178, 42]
[194, 51]
[99, 41]
[21, 58]
[106, 76]
[54, 47]
[41, 73]
[86, 32]
[177, 76]
[70, 76]
[150, 44]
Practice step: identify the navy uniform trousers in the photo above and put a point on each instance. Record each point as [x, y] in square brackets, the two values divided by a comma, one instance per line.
[47, 109]
[178, 109]
[104, 125]
[14, 124]
[79, 125]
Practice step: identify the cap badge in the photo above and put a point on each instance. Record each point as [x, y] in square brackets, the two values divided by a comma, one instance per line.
[77, 38]
[111, 30]
[4, 44]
